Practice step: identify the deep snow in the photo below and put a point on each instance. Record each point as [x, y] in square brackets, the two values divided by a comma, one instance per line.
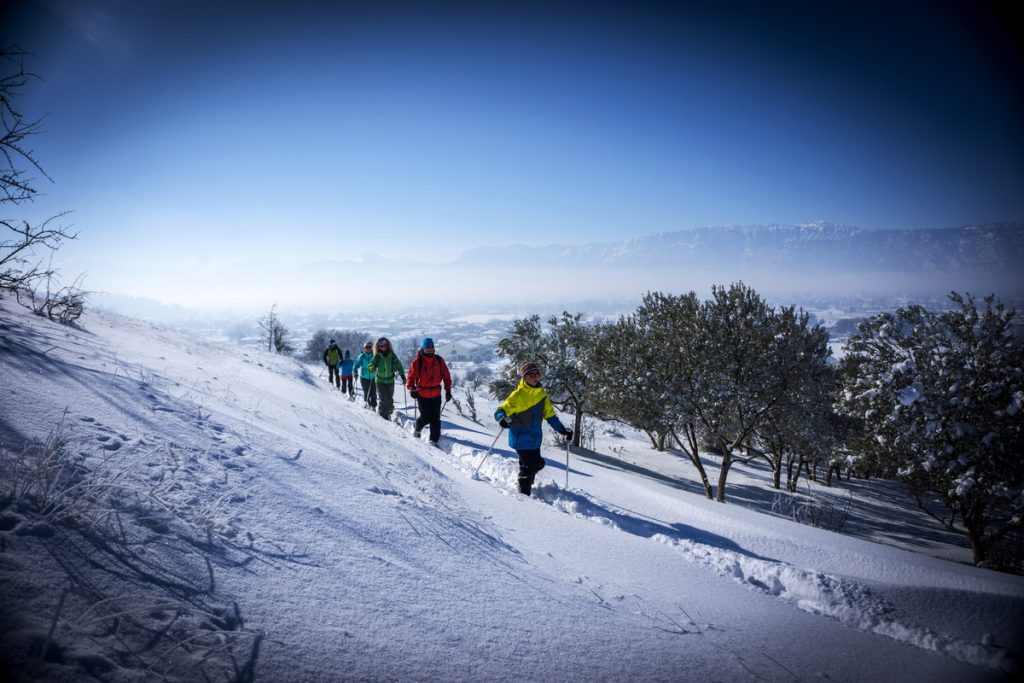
[245, 521]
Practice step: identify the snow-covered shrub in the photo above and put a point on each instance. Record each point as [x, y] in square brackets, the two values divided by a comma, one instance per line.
[125, 549]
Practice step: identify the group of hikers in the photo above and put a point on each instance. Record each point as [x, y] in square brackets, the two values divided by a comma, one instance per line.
[378, 365]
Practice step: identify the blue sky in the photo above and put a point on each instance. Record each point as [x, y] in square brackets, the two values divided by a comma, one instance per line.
[195, 138]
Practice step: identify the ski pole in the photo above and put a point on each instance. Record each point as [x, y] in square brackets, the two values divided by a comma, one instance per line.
[445, 405]
[488, 451]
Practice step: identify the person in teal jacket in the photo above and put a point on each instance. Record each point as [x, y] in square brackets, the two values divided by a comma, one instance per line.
[362, 367]
[386, 364]
[521, 413]
[345, 368]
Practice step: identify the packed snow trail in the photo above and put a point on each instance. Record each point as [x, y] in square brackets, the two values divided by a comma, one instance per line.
[815, 592]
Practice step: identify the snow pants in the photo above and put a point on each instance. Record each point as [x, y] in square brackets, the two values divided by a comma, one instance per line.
[333, 377]
[430, 413]
[530, 463]
[346, 385]
[385, 399]
[369, 391]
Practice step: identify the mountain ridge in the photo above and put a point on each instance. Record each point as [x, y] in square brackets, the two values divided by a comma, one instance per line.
[809, 247]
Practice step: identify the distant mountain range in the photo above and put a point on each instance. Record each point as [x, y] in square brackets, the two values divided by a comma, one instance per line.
[995, 248]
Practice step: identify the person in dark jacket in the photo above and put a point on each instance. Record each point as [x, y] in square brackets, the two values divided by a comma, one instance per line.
[427, 373]
[332, 354]
[521, 413]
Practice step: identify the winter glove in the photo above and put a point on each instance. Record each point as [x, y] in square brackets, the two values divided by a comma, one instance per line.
[505, 422]
[415, 393]
[447, 396]
[567, 434]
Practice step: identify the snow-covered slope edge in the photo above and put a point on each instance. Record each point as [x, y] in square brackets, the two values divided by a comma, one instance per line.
[849, 601]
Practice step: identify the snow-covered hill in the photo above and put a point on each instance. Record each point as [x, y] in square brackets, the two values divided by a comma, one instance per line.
[205, 510]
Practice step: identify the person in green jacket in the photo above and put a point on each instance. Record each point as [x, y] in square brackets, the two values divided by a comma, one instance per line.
[362, 367]
[332, 355]
[385, 364]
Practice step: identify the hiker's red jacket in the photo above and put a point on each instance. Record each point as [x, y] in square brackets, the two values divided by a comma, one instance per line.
[426, 375]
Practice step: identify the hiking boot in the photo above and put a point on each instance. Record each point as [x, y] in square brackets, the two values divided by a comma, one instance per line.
[417, 433]
[435, 444]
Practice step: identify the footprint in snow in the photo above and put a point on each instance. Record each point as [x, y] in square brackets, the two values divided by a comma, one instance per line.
[383, 492]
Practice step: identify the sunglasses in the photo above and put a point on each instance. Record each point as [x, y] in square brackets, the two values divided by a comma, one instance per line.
[533, 374]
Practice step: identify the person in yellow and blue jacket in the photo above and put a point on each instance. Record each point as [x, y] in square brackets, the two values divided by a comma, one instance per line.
[521, 414]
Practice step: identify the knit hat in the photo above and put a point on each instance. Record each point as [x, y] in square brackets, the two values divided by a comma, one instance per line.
[526, 368]
[427, 341]
[347, 354]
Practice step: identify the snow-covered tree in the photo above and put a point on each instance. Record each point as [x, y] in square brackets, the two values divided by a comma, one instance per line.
[730, 371]
[941, 397]
[630, 387]
[797, 429]
[657, 349]
[524, 341]
[751, 359]
[562, 350]
[277, 334]
[27, 249]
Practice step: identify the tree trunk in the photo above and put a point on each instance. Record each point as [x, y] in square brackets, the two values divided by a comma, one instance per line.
[661, 441]
[578, 428]
[694, 453]
[828, 475]
[794, 479]
[975, 525]
[723, 474]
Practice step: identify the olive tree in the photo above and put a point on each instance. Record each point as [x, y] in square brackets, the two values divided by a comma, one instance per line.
[940, 396]
[563, 350]
[749, 360]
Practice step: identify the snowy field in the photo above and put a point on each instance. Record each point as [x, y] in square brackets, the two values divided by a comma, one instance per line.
[192, 510]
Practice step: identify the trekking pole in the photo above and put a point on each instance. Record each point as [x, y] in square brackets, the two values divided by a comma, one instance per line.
[488, 451]
[445, 405]
[321, 372]
[567, 442]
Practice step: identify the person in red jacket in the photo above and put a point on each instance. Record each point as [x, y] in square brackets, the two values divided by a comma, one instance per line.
[427, 373]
